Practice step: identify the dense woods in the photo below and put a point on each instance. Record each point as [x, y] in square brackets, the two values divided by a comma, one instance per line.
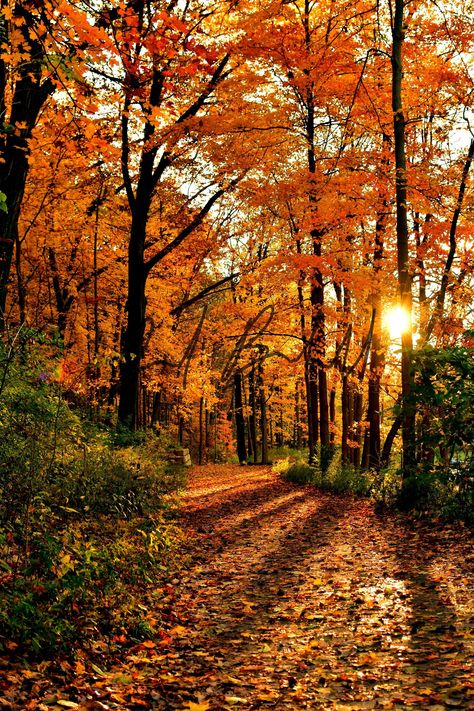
[242, 228]
[219, 210]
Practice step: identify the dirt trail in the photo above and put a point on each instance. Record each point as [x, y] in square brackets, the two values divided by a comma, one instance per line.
[295, 599]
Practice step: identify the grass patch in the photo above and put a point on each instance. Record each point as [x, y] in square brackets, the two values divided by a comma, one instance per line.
[300, 473]
[336, 477]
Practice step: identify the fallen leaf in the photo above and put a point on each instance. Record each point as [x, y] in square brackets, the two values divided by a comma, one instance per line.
[202, 706]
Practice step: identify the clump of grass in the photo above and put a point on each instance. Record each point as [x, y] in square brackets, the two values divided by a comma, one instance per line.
[337, 477]
[300, 473]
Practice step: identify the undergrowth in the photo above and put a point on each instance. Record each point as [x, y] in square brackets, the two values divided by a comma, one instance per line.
[86, 518]
[336, 477]
[439, 496]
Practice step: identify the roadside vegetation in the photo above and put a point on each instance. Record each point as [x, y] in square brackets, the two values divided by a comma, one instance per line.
[86, 513]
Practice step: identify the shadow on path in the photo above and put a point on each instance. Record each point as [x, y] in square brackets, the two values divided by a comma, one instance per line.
[439, 651]
[316, 602]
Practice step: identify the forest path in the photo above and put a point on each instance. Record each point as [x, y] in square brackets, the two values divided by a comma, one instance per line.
[301, 599]
[290, 598]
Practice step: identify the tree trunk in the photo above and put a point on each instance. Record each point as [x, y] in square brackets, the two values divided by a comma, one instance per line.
[404, 276]
[346, 420]
[387, 447]
[373, 406]
[263, 414]
[357, 433]
[97, 333]
[311, 383]
[332, 416]
[377, 353]
[29, 95]
[132, 343]
[201, 430]
[346, 389]
[364, 463]
[156, 409]
[246, 399]
[253, 415]
[239, 418]
[297, 436]
[19, 281]
[281, 436]
[317, 340]
[150, 173]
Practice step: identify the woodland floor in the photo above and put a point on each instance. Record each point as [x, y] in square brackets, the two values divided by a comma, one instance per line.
[292, 599]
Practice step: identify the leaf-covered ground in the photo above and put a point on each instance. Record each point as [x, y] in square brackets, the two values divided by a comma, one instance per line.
[289, 599]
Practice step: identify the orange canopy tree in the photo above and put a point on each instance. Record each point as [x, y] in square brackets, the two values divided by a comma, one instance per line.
[163, 67]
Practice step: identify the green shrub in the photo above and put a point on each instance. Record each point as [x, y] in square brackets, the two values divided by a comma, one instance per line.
[123, 436]
[336, 477]
[342, 477]
[347, 479]
[421, 490]
[444, 393]
[57, 592]
[384, 486]
[51, 459]
[35, 428]
[300, 473]
[287, 452]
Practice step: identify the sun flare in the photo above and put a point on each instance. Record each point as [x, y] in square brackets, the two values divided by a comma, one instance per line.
[397, 321]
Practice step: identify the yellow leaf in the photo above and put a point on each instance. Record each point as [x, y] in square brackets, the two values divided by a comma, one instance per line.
[234, 680]
[179, 630]
[80, 668]
[202, 706]
[235, 700]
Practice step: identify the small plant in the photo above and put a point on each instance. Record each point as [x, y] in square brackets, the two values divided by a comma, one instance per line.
[336, 477]
[140, 630]
[301, 473]
[123, 436]
[80, 581]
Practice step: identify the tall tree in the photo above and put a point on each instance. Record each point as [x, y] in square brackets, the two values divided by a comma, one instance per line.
[25, 84]
[403, 257]
[166, 83]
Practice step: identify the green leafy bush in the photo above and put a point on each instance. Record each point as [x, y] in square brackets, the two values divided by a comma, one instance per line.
[52, 458]
[336, 477]
[444, 393]
[81, 582]
[300, 473]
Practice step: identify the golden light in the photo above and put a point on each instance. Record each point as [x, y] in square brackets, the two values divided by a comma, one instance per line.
[397, 321]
